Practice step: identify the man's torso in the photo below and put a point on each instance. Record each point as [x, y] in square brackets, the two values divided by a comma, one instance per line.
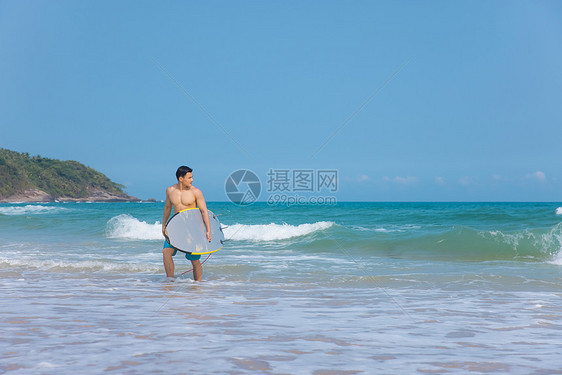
[182, 200]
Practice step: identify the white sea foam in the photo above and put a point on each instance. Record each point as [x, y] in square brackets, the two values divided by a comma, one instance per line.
[555, 240]
[559, 211]
[548, 243]
[363, 229]
[399, 228]
[272, 232]
[85, 265]
[557, 259]
[130, 228]
[29, 210]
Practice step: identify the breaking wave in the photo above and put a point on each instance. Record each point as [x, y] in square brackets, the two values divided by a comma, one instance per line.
[128, 227]
[272, 232]
[29, 209]
[86, 265]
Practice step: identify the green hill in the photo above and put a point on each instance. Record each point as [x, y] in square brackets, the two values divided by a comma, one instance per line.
[25, 178]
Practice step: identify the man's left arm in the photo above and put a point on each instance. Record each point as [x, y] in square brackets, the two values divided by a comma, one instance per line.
[203, 208]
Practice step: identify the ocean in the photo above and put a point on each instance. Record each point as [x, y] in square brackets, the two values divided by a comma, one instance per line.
[351, 288]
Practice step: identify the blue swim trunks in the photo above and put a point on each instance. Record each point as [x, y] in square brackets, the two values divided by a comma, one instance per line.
[187, 256]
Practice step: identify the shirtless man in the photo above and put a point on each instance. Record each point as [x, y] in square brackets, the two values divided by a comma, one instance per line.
[182, 196]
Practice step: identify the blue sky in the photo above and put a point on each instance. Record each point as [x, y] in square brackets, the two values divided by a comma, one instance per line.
[466, 103]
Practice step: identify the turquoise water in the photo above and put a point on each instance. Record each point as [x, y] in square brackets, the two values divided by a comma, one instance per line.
[345, 289]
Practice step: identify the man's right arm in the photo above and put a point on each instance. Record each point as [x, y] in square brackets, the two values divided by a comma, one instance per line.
[167, 212]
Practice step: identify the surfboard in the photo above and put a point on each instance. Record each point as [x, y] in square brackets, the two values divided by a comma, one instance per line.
[186, 232]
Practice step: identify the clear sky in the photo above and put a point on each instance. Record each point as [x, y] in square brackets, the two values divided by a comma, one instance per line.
[407, 100]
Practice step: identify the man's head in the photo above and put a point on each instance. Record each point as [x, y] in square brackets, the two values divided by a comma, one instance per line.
[182, 171]
[185, 176]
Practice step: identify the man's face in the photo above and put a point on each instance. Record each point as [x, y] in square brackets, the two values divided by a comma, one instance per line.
[187, 179]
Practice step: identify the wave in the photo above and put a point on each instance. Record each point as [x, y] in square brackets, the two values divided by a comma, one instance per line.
[557, 259]
[30, 210]
[559, 211]
[128, 227]
[87, 265]
[272, 232]
[456, 243]
[395, 228]
[530, 243]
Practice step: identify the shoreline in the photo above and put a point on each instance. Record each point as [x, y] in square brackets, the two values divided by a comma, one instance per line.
[39, 196]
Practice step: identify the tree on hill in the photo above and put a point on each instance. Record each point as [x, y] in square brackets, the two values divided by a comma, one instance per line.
[59, 179]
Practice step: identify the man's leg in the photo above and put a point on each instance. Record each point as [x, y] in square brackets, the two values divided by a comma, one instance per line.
[168, 261]
[197, 270]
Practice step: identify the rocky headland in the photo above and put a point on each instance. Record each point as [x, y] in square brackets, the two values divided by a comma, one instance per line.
[36, 179]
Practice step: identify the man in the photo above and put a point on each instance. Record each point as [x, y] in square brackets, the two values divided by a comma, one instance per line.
[182, 196]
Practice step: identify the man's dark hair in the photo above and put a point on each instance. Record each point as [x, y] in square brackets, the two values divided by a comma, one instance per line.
[182, 171]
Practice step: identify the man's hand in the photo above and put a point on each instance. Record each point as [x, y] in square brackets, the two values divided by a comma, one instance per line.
[209, 235]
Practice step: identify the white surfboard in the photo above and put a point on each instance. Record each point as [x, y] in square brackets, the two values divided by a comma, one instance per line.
[186, 232]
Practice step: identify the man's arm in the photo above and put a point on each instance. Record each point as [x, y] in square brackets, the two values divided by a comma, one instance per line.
[204, 213]
[167, 212]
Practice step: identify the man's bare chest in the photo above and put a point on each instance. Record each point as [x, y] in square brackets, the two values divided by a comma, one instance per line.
[183, 199]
